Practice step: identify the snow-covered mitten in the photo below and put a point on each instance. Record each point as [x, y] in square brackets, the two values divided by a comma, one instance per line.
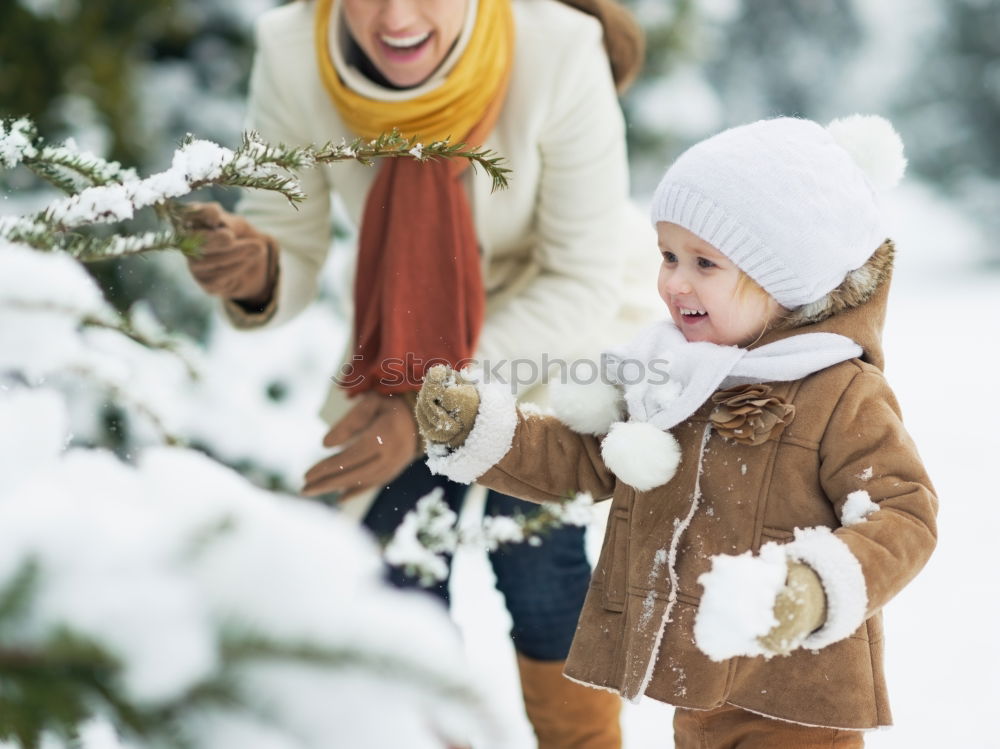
[800, 610]
[446, 407]
[766, 605]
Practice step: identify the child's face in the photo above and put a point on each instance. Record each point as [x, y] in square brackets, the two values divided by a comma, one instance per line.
[699, 285]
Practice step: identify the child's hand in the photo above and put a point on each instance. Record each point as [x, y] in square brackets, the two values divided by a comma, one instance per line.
[800, 609]
[446, 407]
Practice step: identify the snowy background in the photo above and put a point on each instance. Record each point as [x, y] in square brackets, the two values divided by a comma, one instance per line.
[933, 66]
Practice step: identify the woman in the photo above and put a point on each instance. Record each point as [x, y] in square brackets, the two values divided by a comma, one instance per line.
[446, 269]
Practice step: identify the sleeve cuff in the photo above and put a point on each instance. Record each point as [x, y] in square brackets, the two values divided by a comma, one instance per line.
[244, 319]
[843, 583]
[490, 439]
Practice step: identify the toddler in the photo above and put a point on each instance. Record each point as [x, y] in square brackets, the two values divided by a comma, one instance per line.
[766, 499]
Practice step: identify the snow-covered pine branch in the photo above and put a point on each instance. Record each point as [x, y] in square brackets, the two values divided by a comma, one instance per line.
[394, 144]
[65, 165]
[185, 607]
[100, 192]
[431, 532]
[166, 599]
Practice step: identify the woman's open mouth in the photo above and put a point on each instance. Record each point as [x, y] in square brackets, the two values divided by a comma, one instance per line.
[404, 48]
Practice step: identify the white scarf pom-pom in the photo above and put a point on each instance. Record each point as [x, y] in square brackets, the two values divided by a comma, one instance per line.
[874, 145]
[641, 455]
[587, 409]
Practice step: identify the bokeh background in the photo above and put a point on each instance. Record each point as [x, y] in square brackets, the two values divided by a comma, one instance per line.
[127, 80]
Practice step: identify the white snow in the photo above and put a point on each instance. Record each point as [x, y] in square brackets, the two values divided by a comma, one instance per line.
[196, 162]
[52, 280]
[201, 160]
[737, 605]
[430, 533]
[155, 561]
[15, 143]
[38, 443]
[423, 538]
[857, 508]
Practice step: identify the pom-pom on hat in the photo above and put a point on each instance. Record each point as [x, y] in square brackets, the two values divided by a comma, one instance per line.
[793, 204]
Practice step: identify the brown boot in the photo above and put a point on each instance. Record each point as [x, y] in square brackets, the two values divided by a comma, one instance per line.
[565, 714]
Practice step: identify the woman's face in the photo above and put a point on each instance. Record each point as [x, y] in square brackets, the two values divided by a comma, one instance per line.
[405, 39]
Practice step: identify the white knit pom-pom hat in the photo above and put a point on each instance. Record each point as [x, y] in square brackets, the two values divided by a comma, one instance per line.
[793, 204]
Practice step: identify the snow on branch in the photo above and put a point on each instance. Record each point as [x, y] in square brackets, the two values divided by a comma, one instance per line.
[430, 532]
[185, 607]
[101, 192]
[166, 596]
[56, 326]
[394, 144]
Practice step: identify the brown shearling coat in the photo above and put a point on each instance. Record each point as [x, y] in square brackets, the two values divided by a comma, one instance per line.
[635, 634]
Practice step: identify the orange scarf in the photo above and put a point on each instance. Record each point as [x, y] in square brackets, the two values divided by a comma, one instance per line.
[419, 296]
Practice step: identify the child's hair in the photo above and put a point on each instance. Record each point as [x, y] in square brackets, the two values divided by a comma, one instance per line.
[746, 286]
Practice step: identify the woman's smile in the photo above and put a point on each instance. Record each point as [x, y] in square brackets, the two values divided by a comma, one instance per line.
[406, 40]
[404, 49]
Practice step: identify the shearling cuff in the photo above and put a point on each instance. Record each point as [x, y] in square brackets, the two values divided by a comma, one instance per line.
[843, 582]
[490, 439]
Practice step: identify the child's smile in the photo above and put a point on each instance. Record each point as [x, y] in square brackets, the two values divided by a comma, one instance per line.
[701, 288]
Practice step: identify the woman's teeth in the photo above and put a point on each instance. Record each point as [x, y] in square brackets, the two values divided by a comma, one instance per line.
[405, 42]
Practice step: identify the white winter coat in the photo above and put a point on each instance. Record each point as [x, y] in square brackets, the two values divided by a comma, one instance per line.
[562, 248]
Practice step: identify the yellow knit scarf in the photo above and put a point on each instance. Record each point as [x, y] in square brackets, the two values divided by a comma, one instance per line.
[451, 109]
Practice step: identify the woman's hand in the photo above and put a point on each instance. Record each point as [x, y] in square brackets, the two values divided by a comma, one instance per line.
[236, 261]
[378, 439]
[446, 407]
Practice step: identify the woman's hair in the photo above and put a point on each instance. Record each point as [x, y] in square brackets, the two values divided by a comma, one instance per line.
[624, 39]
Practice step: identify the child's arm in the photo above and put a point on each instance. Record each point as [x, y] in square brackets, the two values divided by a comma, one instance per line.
[874, 477]
[475, 432]
[819, 588]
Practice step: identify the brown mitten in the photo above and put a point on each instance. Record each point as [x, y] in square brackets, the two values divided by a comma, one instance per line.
[236, 261]
[446, 407]
[800, 609]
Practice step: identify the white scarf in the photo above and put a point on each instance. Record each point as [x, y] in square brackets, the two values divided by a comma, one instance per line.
[666, 378]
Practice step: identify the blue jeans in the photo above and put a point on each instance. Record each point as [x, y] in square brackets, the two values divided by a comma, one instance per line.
[544, 586]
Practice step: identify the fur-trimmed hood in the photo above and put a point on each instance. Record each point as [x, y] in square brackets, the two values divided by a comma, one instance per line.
[855, 309]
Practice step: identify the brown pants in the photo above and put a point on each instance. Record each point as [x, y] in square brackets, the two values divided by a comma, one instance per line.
[729, 727]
